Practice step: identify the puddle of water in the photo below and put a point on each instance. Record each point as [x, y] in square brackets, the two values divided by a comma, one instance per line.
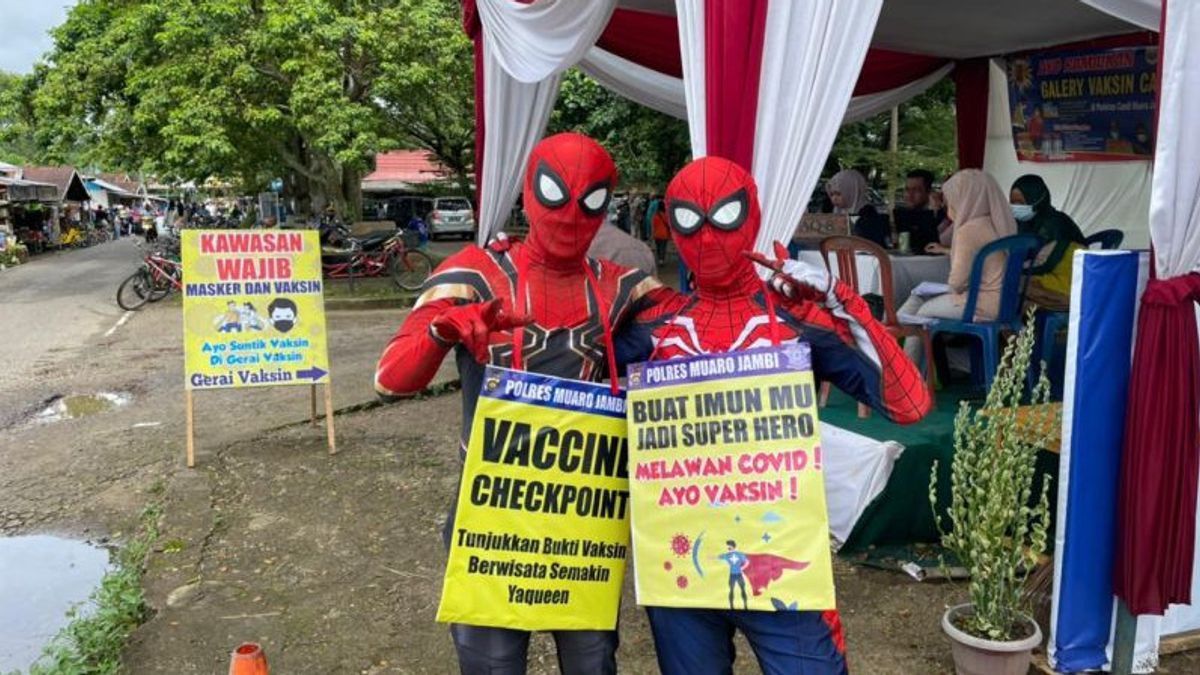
[41, 577]
[81, 405]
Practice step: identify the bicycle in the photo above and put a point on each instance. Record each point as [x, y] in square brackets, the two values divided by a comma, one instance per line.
[408, 267]
[154, 280]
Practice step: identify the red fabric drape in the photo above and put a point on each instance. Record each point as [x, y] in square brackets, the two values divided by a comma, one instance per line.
[885, 69]
[1156, 527]
[652, 40]
[733, 42]
[474, 29]
[646, 38]
[971, 111]
[1156, 518]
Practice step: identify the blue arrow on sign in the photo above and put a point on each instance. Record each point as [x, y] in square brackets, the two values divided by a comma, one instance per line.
[313, 374]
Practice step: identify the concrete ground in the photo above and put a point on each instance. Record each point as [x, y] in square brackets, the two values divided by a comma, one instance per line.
[333, 563]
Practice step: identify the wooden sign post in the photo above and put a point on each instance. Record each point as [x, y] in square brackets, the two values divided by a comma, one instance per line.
[254, 316]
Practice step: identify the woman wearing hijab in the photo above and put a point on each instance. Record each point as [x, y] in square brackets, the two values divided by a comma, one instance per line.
[1050, 287]
[981, 215]
[848, 192]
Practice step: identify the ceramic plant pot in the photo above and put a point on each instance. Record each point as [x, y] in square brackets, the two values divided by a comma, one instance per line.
[980, 656]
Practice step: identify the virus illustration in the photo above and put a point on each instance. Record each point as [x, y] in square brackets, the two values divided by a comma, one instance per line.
[667, 565]
[681, 581]
[680, 545]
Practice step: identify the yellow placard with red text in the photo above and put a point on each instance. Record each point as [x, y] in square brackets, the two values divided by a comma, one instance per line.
[726, 485]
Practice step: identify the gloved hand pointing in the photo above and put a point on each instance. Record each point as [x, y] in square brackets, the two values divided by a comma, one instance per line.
[796, 278]
[471, 325]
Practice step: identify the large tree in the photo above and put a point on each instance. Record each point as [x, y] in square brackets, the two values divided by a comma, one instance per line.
[309, 90]
[17, 142]
[926, 140]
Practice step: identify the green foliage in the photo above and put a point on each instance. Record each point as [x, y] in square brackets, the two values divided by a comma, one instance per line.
[995, 531]
[927, 140]
[309, 90]
[17, 143]
[92, 642]
[648, 146]
[14, 254]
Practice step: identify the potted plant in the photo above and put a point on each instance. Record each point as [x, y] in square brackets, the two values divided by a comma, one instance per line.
[995, 529]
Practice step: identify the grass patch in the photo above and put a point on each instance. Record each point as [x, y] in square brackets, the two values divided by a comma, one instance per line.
[92, 642]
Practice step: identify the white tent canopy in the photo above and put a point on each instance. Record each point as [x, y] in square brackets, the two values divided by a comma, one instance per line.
[527, 46]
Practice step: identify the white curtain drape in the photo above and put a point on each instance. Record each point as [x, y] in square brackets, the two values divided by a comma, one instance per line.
[1175, 193]
[665, 94]
[870, 105]
[635, 82]
[526, 47]
[690, 16]
[812, 54]
[542, 38]
[516, 115]
[1144, 13]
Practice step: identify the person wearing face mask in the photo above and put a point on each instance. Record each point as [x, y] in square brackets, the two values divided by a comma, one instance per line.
[1050, 287]
[1142, 143]
[539, 305]
[712, 205]
[981, 215]
[847, 189]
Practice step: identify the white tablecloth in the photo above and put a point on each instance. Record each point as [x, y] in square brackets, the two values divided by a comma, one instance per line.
[907, 272]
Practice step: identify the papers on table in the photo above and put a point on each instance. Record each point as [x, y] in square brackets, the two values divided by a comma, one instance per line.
[929, 289]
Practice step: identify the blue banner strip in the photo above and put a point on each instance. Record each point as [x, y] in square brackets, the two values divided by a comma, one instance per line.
[548, 391]
[1085, 600]
[789, 358]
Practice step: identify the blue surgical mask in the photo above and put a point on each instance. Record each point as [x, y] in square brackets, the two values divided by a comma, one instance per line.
[1022, 212]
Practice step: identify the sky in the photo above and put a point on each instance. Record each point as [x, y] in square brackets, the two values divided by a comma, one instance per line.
[23, 26]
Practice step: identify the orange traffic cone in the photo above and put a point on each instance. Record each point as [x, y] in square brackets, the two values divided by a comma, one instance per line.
[248, 659]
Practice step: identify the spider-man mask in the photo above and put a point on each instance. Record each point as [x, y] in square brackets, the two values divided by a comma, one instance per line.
[712, 205]
[568, 184]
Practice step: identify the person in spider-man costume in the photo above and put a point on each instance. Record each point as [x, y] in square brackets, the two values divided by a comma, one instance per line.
[712, 206]
[558, 307]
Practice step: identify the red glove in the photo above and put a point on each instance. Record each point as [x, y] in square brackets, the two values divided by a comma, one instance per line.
[472, 325]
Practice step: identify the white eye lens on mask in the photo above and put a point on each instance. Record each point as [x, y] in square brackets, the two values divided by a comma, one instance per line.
[1022, 212]
[728, 213]
[686, 219]
[549, 190]
[595, 200]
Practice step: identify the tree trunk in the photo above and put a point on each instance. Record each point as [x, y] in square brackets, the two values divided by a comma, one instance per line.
[352, 194]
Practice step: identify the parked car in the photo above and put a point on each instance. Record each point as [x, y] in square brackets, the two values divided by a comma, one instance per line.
[451, 216]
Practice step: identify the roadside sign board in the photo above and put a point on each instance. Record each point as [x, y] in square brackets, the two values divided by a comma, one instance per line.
[253, 309]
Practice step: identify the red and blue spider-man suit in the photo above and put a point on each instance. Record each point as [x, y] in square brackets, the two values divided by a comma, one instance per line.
[712, 205]
[546, 296]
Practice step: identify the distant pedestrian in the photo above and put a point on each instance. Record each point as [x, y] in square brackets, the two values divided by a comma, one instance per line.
[662, 235]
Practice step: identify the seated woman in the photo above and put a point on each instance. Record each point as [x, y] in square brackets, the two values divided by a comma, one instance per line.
[981, 215]
[848, 192]
[1050, 287]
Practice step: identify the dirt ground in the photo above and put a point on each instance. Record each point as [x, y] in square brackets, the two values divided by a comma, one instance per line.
[332, 563]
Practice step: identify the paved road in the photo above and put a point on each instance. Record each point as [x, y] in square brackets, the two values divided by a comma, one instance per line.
[59, 303]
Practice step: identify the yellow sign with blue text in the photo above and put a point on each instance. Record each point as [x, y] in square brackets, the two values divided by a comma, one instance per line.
[726, 487]
[541, 531]
[253, 309]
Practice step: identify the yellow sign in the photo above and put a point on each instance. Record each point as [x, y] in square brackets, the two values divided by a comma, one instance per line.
[541, 532]
[253, 309]
[727, 493]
